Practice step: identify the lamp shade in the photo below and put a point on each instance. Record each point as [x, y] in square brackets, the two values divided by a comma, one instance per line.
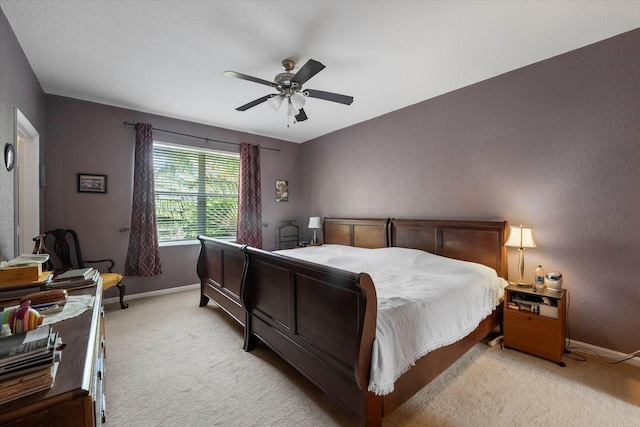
[314, 222]
[275, 102]
[298, 100]
[520, 237]
[291, 109]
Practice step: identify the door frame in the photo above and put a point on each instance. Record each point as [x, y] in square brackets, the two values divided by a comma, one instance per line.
[26, 192]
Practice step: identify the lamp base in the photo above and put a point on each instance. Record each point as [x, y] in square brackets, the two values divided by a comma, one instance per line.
[521, 284]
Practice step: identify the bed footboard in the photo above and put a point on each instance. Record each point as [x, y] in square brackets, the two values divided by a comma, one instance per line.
[221, 269]
[320, 319]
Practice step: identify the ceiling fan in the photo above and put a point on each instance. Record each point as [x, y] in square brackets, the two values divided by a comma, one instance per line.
[289, 87]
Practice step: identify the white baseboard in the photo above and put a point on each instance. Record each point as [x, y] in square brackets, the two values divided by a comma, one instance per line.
[604, 352]
[152, 293]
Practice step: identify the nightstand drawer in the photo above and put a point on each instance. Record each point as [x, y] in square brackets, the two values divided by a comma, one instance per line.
[535, 334]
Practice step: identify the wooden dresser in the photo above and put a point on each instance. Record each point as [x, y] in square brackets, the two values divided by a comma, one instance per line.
[76, 398]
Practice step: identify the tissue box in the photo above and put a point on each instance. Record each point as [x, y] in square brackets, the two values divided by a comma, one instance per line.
[17, 275]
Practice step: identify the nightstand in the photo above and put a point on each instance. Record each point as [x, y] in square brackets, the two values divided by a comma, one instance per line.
[534, 327]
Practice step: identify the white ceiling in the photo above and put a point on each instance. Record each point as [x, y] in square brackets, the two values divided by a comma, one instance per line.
[167, 57]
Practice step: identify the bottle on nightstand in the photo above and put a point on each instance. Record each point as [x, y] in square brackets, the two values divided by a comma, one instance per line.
[538, 283]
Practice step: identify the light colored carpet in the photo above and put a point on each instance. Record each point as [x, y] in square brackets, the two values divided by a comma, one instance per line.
[170, 362]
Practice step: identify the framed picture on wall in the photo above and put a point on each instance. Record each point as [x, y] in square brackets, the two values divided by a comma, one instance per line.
[91, 183]
[282, 191]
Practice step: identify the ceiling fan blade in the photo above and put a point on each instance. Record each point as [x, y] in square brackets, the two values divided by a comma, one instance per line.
[249, 78]
[302, 116]
[329, 96]
[253, 103]
[308, 70]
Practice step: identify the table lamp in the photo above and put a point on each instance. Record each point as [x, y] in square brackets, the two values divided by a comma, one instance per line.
[314, 223]
[521, 237]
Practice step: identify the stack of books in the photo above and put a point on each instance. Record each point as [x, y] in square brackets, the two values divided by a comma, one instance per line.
[525, 302]
[75, 278]
[28, 362]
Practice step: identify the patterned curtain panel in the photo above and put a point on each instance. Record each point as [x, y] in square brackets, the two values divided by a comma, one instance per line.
[143, 256]
[250, 197]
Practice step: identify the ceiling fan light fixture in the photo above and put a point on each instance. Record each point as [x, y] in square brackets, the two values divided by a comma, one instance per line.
[275, 102]
[291, 110]
[298, 100]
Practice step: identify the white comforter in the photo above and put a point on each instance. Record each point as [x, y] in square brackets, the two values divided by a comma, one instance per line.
[425, 301]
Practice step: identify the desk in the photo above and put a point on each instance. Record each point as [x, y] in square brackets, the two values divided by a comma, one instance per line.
[76, 398]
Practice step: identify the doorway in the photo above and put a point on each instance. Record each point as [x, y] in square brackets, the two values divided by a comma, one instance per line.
[26, 184]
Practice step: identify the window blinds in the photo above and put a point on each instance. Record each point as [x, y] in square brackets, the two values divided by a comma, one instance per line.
[196, 192]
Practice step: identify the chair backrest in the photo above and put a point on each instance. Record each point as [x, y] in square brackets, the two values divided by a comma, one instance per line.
[63, 248]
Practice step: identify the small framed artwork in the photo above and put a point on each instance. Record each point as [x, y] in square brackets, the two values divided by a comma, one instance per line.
[91, 183]
[282, 191]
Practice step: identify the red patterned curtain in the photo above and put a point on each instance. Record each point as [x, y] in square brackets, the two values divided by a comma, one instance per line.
[250, 197]
[143, 256]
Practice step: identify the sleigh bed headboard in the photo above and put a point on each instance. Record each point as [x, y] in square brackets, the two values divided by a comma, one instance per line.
[476, 241]
[363, 233]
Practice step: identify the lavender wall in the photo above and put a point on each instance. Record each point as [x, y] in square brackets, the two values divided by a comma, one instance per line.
[84, 137]
[18, 88]
[555, 146]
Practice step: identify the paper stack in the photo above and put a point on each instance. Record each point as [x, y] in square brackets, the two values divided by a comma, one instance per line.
[28, 362]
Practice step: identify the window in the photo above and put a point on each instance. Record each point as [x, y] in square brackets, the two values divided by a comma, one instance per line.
[196, 192]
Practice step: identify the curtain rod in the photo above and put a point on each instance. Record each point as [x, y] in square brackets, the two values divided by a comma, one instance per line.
[199, 137]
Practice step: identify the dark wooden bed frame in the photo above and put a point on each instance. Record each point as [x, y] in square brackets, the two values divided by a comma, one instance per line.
[322, 320]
